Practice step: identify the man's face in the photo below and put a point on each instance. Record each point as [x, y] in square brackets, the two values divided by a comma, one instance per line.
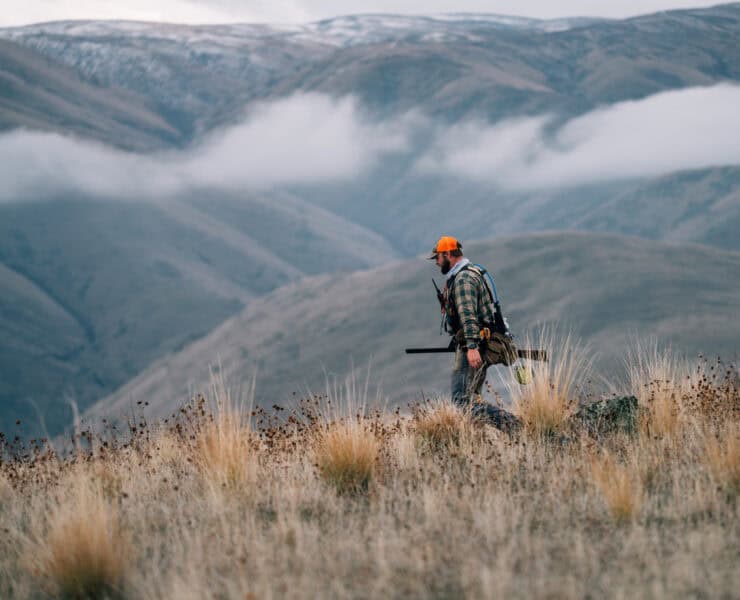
[443, 262]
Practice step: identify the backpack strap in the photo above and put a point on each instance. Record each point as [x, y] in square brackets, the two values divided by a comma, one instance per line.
[500, 324]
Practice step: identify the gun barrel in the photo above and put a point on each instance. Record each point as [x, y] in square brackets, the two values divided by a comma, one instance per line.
[526, 354]
[427, 350]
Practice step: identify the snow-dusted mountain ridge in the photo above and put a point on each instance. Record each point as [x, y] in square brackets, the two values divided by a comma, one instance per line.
[448, 66]
[340, 31]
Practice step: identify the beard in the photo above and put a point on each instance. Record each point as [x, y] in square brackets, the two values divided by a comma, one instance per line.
[445, 266]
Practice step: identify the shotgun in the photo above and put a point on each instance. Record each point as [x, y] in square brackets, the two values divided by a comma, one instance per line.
[527, 354]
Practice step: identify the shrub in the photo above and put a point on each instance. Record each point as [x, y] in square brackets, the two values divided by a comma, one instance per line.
[609, 415]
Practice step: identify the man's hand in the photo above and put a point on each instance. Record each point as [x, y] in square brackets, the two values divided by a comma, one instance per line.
[474, 359]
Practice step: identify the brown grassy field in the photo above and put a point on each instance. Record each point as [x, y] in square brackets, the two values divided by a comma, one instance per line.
[335, 499]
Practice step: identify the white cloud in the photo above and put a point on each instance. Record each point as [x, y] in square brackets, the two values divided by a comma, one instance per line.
[671, 131]
[313, 138]
[36, 164]
[302, 139]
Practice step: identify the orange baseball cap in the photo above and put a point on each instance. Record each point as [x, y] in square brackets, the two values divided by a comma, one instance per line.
[445, 244]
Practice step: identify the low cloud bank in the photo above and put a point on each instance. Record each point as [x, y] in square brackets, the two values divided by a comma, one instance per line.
[671, 131]
[303, 139]
[314, 138]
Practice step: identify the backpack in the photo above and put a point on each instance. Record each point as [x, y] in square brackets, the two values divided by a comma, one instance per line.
[499, 325]
[499, 348]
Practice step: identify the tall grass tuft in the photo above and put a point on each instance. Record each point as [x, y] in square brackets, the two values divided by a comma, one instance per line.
[347, 453]
[547, 402]
[6, 490]
[83, 552]
[619, 486]
[225, 449]
[658, 378]
[441, 425]
[722, 454]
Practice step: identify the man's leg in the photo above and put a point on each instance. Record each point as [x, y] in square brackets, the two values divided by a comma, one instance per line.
[466, 381]
[459, 379]
[474, 383]
[496, 416]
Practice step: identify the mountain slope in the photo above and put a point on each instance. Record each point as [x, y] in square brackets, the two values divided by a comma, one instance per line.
[494, 72]
[450, 67]
[701, 206]
[92, 292]
[606, 288]
[38, 92]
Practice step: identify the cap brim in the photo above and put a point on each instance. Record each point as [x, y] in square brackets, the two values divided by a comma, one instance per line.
[433, 256]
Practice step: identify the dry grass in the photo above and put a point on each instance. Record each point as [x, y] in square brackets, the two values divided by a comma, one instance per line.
[723, 457]
[224, 454]
[429, 505]
[659, 379]
[6, 490]
[547, 402]
[224, 449]
[441, 424]
[620, 487]
[81, 551]
[347, 455]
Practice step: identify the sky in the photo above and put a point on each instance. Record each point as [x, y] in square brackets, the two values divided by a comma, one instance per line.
[331, 141]
[23, 12]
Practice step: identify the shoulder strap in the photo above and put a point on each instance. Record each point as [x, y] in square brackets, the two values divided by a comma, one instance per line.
[481, 271]
[500, 323]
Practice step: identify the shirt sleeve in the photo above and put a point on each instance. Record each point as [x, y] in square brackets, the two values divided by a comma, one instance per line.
[466, 294]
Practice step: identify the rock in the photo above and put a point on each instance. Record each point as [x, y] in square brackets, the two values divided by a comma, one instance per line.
[609, 415]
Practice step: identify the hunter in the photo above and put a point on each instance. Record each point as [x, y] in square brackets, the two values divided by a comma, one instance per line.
[469, 310]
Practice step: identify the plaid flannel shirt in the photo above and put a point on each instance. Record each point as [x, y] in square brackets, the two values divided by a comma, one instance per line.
[472, 303]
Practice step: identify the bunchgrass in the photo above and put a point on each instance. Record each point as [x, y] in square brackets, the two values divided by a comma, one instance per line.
[440, 424]
[620, 487]
[722, 452]
[548, 401]
[81, 551]
[224, 448]
[346, 455]
[659, 379]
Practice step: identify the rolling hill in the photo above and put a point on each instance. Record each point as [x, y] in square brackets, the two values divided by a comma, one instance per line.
[41, 93]
[92, 291]
[607, 289]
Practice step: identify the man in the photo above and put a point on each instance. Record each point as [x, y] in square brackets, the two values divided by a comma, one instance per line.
[468, 308]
